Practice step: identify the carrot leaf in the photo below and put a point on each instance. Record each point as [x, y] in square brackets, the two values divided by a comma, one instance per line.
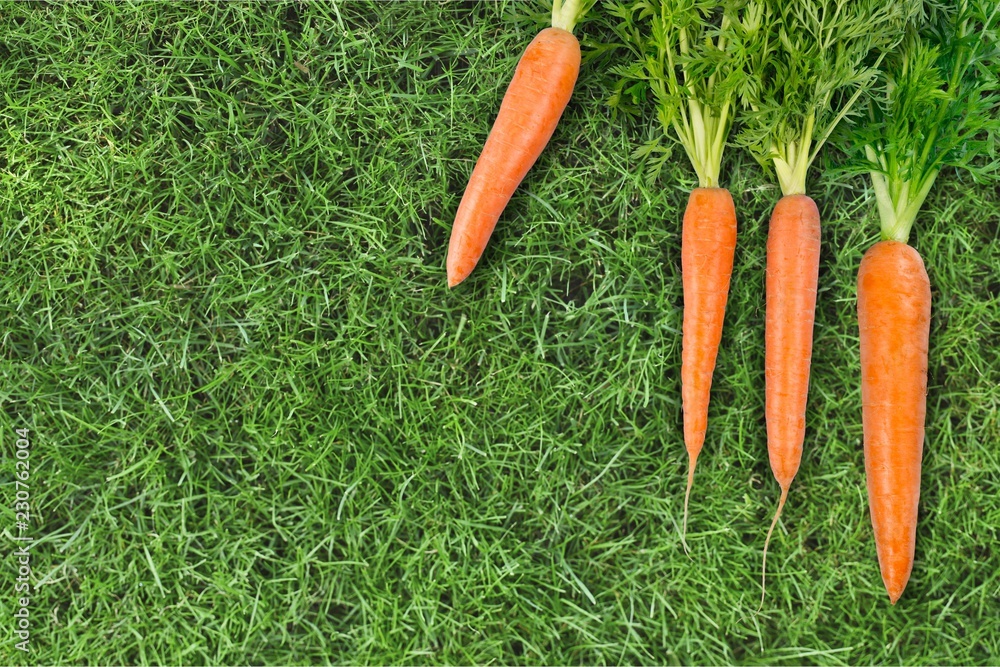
[806, 71]
[939, 106]
[683, 61]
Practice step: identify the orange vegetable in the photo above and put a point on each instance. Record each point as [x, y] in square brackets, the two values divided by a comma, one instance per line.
[708, 244]
[894, 314]
[684, 61]
[539, 92]
[792, 278]
[935, 109]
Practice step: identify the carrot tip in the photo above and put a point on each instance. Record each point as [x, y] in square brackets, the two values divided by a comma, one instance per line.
[767, 541]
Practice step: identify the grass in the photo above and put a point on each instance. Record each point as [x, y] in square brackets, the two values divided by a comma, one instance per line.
[264, 431]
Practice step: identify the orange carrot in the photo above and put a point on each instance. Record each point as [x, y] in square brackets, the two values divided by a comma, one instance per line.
[937, 111]
[529, 113]
[685, 62]
[708, 244]
[894, 314]
[792, 278]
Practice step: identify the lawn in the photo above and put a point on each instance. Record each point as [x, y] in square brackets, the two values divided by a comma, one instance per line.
[263, 430]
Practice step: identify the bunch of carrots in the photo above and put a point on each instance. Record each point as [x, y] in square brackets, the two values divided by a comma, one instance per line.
[919, 81]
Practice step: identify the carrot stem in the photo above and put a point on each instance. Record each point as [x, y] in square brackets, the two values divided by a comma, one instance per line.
[792, 160]
[565, 14]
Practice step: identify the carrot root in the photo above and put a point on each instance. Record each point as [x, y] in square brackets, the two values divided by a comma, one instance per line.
[708, 246]
[894, 310]
[535, 99]
[692, 460]
[767, 542]
[793, 243]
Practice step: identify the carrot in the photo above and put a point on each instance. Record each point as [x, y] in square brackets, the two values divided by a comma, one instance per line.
[685, 62]
[535, 99]
[894, 315]
[708, 245]
[937, 110]
[802, 65]
[792, 280]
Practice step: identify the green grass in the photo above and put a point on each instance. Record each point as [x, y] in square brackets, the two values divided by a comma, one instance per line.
[264, 431]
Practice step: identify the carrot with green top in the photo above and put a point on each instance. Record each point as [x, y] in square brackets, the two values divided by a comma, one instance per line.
[683, 55]
[940, 108]
[535, 99]
[805, 72]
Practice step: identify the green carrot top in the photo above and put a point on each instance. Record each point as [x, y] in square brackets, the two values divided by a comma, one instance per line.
[940, 106]
[807, 70]
[566, 13]
[683, 55]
